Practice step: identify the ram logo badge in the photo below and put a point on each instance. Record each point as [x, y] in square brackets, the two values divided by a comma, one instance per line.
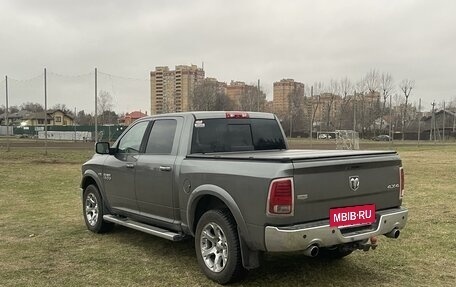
[353, 181]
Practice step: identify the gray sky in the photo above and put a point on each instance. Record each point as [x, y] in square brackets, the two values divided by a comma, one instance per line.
[237, 40]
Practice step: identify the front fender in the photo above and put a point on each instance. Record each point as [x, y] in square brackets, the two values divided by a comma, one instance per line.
[221, 194]
[92, 174]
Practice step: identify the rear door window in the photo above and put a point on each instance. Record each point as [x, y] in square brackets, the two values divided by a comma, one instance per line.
[161, 138]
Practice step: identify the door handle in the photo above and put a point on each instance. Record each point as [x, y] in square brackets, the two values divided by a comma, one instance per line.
[165, 168]
[130, 165]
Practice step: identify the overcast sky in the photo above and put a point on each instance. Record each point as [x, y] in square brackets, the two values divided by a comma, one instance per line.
[308, 41]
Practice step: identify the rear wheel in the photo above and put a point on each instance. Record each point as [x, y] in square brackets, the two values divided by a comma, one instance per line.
[93, 210]
[217, 247]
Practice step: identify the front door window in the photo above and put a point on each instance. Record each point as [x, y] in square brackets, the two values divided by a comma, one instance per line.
[131, 141]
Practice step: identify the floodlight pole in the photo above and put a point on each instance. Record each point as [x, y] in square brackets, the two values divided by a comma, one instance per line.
[419, 122]
[96, 106]
[6, 115]
[311, 115]
[354, 111]
[45, 114]
[258, 98]
[433, 122]
[74, 124]
[443, 132]
[391, 124]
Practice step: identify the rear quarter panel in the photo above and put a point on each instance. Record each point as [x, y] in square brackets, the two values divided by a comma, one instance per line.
[247, 182]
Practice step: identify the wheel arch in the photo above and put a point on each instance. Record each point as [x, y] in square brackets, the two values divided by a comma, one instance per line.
[91, 177]
[211, 196]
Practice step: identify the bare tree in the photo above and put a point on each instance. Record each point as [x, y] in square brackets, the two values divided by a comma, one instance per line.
[62, 107]
[104, 104]
[13, 109]
[84, 119]
[372, 81]
[406, 86]
[345, 88]
[387, 88]
[315, 92]
[359, 104]
[451, 106]
[32, 107]
[296, 98]
[333, 90]
[208, 96]
[252, 98]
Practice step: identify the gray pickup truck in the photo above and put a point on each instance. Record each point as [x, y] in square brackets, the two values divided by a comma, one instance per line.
[229, 180]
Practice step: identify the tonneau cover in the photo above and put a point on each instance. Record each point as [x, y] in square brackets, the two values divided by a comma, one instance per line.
[290, 155]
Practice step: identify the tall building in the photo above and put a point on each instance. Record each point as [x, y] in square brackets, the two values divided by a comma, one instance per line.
[170, 90]
[245, 97]
[235, 90]
[281, 95]
[221, 86]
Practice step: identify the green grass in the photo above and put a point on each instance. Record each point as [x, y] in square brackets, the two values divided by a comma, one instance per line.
[44, 242]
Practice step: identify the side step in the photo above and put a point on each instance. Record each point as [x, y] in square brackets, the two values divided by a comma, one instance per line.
[150, 229]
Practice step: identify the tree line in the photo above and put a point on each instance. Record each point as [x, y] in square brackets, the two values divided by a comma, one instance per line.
[371, 105]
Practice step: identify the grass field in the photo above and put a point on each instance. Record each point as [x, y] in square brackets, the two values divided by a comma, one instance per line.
[44, 242]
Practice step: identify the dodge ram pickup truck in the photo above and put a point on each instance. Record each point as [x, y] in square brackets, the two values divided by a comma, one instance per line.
[228, 180]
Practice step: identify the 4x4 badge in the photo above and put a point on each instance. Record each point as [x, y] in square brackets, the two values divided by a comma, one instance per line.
[353, 181]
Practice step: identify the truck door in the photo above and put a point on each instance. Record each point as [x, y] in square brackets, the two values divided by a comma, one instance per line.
[155, 170]
[119, 170]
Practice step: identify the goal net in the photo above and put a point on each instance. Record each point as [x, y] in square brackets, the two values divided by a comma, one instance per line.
[347, 139]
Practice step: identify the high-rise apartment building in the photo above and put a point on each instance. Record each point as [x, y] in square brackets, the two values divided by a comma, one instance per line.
[245, 97]
[235, 90]
[170, 90]
[220, 86]
[282, 92]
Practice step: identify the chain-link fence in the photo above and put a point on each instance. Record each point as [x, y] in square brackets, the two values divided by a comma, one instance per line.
[83, 107]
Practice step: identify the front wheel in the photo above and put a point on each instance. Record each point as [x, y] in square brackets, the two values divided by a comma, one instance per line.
[217, 247]
[93, 210]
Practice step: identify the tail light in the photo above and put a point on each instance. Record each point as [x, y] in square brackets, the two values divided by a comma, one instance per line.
[281, 197]
[401, 182]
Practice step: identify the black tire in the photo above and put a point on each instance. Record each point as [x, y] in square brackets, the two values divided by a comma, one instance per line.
[222, 223]
[93, 210]
[336, 252]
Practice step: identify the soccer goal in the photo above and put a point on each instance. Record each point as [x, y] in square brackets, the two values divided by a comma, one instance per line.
[347, 139]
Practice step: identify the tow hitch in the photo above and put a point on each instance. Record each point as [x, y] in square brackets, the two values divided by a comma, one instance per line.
[366, 245]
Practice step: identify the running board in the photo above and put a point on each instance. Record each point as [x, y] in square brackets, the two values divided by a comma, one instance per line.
[150, 229]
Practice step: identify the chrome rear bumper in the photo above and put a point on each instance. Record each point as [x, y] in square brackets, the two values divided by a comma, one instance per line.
[300, 237]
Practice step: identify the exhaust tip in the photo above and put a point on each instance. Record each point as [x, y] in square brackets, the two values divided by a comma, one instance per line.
[312, 251]
[397, 233]
[394, 233]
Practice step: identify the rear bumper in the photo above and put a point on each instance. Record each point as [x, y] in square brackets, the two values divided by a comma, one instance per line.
[302, 236]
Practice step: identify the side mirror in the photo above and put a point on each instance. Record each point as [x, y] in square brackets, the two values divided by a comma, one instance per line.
[102, 148]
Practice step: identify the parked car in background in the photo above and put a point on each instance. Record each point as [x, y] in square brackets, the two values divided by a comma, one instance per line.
[382, 138]
[324, 136]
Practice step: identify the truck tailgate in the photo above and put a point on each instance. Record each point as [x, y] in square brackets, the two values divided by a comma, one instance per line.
[341, 181]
